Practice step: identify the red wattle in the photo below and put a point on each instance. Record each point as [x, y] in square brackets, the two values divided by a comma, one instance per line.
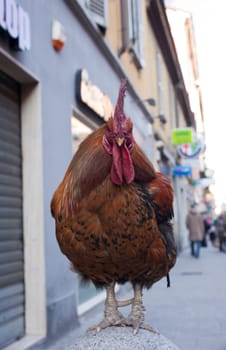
[122, 165]
[127, 165]
[116, 168]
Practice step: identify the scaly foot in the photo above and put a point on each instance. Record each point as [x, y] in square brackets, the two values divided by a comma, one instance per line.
[112, 318]
[136, 319]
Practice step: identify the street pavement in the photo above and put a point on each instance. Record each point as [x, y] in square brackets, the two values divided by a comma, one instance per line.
[191, 313]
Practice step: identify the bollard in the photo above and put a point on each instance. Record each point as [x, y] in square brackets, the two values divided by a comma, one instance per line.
[121, 338]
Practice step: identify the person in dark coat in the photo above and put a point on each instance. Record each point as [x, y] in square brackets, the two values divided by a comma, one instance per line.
[221, 230]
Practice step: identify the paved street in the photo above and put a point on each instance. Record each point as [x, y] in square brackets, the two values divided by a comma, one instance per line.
[192, 313]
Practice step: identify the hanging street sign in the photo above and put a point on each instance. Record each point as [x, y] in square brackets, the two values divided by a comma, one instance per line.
[182, 136]
[182, 170]
[190, 150]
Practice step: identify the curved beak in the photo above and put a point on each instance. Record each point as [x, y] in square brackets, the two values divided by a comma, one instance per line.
[120, 141]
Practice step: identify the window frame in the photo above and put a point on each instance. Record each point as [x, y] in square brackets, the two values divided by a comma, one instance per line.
[135, 31]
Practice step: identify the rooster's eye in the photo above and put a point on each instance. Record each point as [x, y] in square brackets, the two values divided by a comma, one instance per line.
[129, 144]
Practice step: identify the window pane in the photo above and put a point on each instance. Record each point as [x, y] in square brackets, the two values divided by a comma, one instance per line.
[79, 132]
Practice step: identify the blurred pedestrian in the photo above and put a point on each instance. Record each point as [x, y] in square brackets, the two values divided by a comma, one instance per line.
[221, 231]
[212, 232]
[208, 223]
[206, 228]
[195, 225]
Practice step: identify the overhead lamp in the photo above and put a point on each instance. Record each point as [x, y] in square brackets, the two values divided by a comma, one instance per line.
[150, 101]
[161, 118]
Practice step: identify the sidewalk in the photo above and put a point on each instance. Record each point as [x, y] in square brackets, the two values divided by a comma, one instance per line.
[191, 313]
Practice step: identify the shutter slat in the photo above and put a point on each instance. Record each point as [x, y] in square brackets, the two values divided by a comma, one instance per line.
[9, 137]
[9, 223]
[11, 234]
[11, 169]
[6, 269]
[9, 107]
[8, 123]
[11, 314]
[98, 9]
[9, 158]
[11, 278]
[11, 302]
[8, 246]
[6, 146]
[9, 88]
[11, 212]
[10, 191]
[8, 203]
[11, 291]
[11, 237]
[11, 256]
[10, 180]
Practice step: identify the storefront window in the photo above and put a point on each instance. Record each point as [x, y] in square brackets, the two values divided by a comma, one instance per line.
[79, 132]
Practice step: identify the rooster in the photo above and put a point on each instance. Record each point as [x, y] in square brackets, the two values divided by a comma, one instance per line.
[113, 216]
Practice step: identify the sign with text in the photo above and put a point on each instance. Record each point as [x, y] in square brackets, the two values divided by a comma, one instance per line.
[16, 22]
[182, 170]
[93, 97]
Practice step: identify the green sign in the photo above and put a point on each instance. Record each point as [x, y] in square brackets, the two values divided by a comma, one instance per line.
[181, 136]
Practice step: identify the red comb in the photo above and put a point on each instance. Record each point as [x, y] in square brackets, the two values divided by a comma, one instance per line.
[119, 116]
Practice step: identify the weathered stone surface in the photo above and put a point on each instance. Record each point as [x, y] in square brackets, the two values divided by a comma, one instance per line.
[121, 338]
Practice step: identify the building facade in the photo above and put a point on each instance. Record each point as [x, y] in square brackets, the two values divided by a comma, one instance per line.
[61, 63]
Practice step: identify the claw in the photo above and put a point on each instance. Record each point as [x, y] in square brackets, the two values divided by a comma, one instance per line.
[149, 328]
[143, 326]
[104, 324]
[135, 330]
[120, 321]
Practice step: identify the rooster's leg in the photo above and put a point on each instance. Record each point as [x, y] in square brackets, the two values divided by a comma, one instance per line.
[112, 317]
[136, 317]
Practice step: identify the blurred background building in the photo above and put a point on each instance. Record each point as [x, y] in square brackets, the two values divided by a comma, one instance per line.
[60, 68]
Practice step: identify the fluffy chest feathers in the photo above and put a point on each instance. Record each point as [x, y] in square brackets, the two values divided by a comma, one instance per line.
[113, 235]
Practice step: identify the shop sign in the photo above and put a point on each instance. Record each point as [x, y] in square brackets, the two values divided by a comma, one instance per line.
[182, 170]
[182, 136]
[190, 150]
[93, 97]
[16, 22]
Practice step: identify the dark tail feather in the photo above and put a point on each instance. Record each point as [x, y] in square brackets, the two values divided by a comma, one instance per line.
[168, 280]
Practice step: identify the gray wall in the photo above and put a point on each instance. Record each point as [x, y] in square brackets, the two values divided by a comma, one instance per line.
[56, 73]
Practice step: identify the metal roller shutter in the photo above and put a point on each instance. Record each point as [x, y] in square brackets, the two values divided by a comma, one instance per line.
[11, 236]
